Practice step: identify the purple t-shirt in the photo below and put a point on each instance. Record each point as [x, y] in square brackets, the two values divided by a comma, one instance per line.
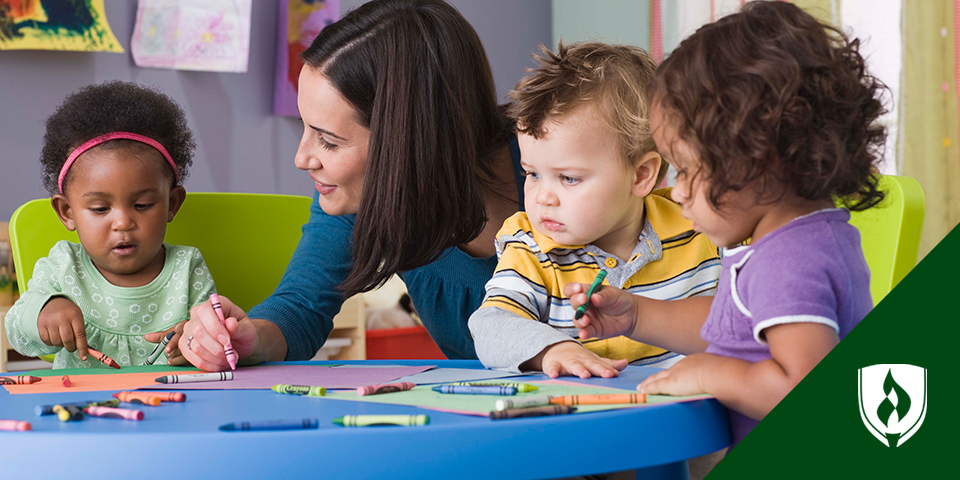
[810, 270]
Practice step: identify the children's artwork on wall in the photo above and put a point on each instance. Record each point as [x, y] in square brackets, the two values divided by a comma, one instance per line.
[210, 35]
[299, 23]
[76, 25]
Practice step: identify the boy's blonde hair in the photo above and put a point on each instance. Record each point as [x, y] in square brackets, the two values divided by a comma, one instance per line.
[614, 77]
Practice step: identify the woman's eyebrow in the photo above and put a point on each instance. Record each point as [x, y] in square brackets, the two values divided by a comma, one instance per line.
[327, 132]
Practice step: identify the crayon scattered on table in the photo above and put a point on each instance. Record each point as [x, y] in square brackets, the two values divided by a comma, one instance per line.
[66, 381]
[385, 388]
[169, 396]
[617, 398]
[306, 423]
[155, 354]
[532, 412]
[381, 420]
[521, 387]
[48, 409]
[582, 309]
[68, 412]
[15, 426]
[19, 380]
[197, 377]
[228, 350]
[304, 390]
[138, 398]
[523, 402]
[108, 412]
[103, 358]
[470, 390]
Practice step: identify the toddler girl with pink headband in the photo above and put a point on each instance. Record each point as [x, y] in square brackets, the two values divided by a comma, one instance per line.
[114, 158]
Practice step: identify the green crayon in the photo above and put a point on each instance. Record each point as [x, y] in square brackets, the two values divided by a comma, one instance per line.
[380, 420]
[299, 390]
[521, 387]
[582, 309]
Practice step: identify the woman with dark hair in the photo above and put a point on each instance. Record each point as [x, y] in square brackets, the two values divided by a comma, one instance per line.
[416, 168]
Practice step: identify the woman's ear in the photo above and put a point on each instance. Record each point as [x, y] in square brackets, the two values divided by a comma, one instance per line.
[177, 195]
[62, 206]
[646, 172]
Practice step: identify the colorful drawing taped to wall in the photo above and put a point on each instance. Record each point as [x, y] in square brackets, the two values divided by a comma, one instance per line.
[76, 25]
[300, 21]
[211, 35]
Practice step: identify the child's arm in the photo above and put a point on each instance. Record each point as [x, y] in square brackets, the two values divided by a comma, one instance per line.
[507, 328]
[43, 320]
[752, 389]
[671, 324]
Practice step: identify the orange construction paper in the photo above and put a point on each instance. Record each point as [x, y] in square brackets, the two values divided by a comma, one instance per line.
[92, 383]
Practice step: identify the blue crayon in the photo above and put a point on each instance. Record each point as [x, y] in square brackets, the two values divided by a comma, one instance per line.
[476, 390]
[304, 424]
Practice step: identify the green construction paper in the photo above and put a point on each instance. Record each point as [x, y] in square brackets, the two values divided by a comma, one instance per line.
[423, 396]
[108, 370]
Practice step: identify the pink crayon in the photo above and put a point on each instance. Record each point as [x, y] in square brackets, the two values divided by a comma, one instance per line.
[66, 381]
[385, 388]
[15, 425]
[108, 412]
[228, 348]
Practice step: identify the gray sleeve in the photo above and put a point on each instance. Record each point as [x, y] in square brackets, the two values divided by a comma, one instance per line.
[505, 340]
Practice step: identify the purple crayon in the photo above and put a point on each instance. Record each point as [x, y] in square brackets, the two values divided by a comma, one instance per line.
[386, 388]
[121, 413]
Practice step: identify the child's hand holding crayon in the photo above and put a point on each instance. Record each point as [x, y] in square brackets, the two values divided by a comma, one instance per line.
[172, 349]
[611, 311]
[60, 324]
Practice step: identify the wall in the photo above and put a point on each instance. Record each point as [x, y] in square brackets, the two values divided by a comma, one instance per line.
[620, 21]
[241, 147]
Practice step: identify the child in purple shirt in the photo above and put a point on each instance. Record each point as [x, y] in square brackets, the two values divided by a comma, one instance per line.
[768, 116]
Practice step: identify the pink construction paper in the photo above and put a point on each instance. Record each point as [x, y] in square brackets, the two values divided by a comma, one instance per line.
[250, 378]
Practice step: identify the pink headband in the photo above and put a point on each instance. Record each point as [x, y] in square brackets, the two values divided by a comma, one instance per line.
[106, 138]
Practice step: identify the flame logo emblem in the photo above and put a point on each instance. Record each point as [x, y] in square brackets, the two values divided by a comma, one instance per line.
[893, 401]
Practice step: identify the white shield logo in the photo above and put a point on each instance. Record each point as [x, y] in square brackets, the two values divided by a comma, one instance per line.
[893, 401]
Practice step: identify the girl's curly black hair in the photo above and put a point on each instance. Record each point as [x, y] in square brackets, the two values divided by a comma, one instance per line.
[770, 94]
[115, 106]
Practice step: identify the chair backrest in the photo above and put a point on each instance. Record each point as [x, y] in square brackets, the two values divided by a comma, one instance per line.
[890, 233]
[246, 239]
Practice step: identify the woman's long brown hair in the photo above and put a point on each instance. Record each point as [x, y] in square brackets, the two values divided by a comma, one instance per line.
[419, 79]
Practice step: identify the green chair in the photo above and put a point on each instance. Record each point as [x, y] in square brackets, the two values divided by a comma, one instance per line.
[246, 239]
[890, 233]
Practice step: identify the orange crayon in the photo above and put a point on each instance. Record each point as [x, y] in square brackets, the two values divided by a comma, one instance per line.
[164, 396]
[139, 398]
[15, 425]
[66, 381]
[19, 380]
[103, 358]
[600, 399]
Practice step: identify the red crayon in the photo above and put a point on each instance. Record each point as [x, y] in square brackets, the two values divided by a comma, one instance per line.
[139, 398]
[19, 380]
[107, 412]
[15, 425]
[386, 388]
[103, 358]
[66, 381]
[170, 396]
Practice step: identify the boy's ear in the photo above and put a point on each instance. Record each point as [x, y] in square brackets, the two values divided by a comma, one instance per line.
[64, 212]
[177, 195]
[646, 171]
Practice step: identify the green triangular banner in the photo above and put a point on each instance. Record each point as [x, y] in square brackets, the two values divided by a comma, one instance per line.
[817, 430]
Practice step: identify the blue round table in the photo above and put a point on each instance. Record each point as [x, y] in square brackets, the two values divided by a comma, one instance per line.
[183, 440]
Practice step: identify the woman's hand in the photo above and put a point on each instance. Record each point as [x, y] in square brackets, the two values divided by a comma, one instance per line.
[60, 324]
[204, 337]
[612, 311]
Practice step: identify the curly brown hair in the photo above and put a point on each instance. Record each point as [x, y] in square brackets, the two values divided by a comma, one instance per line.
[771, 95]
[614, 77]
